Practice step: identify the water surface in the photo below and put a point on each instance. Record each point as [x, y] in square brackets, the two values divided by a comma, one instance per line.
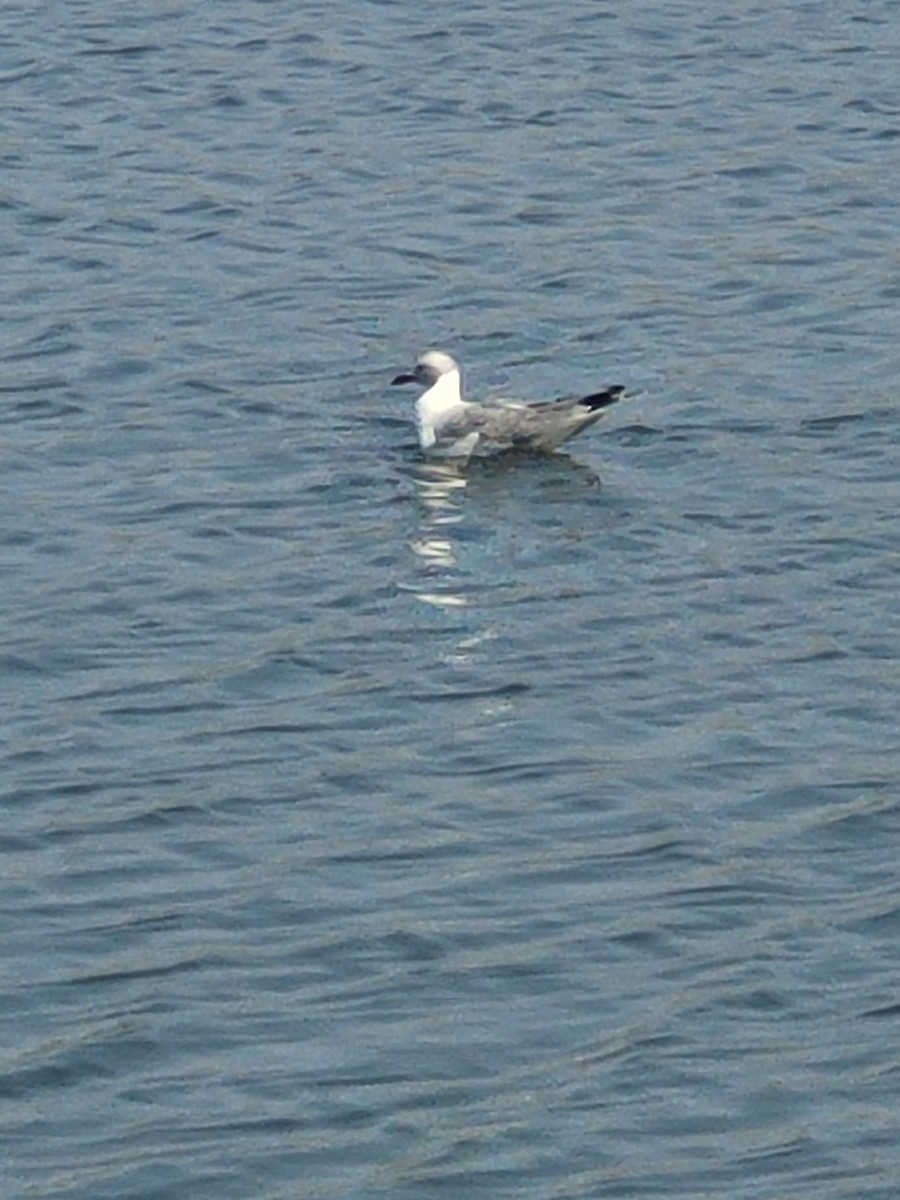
[376, 831]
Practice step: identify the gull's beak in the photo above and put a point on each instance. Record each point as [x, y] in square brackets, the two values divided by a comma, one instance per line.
[403, 379]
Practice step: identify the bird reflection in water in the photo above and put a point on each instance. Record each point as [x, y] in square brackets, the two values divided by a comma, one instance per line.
[541, 483]
[439, 487]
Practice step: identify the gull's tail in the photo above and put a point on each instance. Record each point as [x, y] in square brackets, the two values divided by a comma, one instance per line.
[580, 414]
[600, 400]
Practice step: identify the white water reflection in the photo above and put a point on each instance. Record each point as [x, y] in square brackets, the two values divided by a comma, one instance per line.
[440, 487]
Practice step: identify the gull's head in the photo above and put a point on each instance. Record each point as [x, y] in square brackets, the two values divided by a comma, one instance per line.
[429, 368]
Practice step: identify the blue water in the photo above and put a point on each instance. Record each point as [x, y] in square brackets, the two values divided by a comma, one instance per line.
[373, 832]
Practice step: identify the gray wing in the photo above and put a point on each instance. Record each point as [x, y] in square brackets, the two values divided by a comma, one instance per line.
[507, 425]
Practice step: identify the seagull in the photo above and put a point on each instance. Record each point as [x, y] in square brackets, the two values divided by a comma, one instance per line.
[451, 427]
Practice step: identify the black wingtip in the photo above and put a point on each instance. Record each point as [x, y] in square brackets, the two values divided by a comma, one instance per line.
[602, 399]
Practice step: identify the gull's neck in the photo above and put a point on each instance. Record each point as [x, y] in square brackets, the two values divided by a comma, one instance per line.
[439, 401]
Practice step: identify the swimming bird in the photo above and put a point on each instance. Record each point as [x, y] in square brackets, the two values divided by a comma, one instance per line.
[451, 427]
